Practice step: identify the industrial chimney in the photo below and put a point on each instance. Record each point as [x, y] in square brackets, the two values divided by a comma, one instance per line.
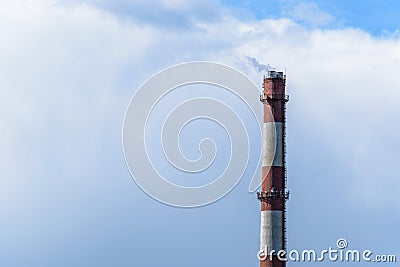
[273, 195]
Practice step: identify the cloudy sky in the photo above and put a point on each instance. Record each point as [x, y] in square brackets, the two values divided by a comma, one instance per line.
[69, 68]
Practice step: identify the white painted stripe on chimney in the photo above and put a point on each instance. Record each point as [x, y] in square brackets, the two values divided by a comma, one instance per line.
[268, 157]
[271, 231]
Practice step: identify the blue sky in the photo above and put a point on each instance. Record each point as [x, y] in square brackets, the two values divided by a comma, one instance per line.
[69, 68]
[372, 16]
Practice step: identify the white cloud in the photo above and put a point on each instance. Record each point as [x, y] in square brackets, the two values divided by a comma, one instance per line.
[310, 13]
[166, 14]
[64, 69]
[59, 90]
